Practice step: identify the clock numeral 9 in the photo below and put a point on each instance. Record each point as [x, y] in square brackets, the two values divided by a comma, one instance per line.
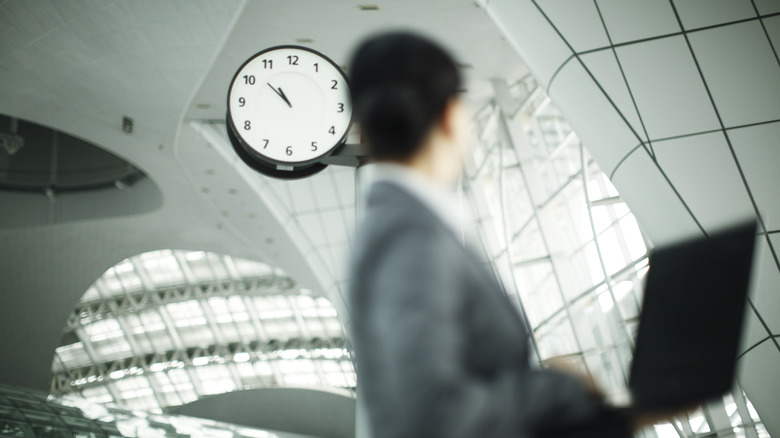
[292, 60]
[241, 101]
[341, 108]
[335, 83]
[313, 146]
[247, 125]
[332, 130]
[289, 150]
[249, 80]
[268, 63]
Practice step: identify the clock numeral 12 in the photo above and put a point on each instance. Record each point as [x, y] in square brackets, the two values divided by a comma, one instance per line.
[292, 60]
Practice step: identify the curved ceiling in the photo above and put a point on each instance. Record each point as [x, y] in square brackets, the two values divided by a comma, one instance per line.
[679, 102]
[47, 176]
[167, 327]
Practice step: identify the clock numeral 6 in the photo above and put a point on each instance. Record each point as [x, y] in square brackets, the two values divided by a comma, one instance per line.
[289, 150]
[247, 125]
[341, 108]
[249, 80]
[241, 101]
[313, 146]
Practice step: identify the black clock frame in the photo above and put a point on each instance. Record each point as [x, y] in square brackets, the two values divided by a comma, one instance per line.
[266, 165]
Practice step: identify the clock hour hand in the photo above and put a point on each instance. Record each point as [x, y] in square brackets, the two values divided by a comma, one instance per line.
[280, 93]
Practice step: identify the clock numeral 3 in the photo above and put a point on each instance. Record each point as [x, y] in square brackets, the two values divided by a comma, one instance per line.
[247, 125]
[341, 108]
[313, 146]
[249, 80]
[292, 60]
[289, 150]
[335, 83]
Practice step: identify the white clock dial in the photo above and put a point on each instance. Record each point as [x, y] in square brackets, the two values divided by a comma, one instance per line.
[290, 105]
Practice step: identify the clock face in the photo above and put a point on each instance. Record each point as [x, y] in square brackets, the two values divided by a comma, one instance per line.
[289, 105]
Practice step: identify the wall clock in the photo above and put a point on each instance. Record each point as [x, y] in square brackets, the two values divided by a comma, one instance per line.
[288, 108]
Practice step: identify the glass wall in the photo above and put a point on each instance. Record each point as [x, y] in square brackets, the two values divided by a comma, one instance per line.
[569, 249]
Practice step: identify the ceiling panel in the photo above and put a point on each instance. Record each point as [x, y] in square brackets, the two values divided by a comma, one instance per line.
[629, 20]
[700, 13]
[767, 6]
[667, 87]
[702, 169]
[758, 155]
[550, 53]
[760, 381]
[766, 287]
[754, 331]
[660, 207]
[606, 70]
[578, 21]
[746, 89]
[574, 91]
[772, 26]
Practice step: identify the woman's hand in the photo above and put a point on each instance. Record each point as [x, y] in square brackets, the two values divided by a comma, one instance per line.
[573, 366]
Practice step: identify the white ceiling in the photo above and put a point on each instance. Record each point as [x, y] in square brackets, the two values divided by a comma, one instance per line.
[83, 65]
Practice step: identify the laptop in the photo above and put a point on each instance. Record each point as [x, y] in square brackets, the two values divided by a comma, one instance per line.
[691, 321]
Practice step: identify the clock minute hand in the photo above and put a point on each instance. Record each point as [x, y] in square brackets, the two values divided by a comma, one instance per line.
[281, 94]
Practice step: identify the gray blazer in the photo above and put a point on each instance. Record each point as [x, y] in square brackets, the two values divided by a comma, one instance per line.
[440, 350]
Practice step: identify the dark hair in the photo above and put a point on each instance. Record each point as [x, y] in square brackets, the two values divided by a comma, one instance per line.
[400, 85]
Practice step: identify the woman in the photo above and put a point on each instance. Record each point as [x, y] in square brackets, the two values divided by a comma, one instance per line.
[440, 351]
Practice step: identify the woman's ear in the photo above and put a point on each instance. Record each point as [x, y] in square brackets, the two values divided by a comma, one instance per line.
[451, 118]
[454, 123]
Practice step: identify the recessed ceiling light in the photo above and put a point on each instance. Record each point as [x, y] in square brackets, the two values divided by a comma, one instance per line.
[464, 65]
[369, 7]
[304, 40]
[202, 106]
